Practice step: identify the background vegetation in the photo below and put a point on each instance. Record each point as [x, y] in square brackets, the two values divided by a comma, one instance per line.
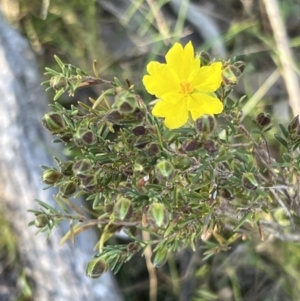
[122, 41]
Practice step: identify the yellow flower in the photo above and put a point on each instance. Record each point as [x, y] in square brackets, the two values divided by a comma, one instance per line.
[183, 86]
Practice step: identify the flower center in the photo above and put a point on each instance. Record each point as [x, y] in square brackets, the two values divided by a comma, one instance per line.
[186, 88]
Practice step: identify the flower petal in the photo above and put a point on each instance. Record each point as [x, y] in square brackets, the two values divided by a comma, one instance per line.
[200, 104]
[209, 78]
[183, 61]
[176, 115]
[161, 79]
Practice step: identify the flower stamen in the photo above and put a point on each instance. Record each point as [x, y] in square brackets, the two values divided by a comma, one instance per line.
[186, 88]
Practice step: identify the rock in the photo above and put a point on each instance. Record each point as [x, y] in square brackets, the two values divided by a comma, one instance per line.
[55, 273]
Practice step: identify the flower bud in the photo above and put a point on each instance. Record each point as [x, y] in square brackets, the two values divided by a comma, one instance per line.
[160, 258]
[294, 124]
[226, 194]
[88, 183]
[157, 215]
[210, 146]
[205, 125]
[249, 181]
[109, 208]
[133, 247]
[84, 136]
[96, 267]
[41, 220]
[126, 102]
[58, 82]
[114, 116]
[51, 176]
[190, 145]
[164, 169]
[204, 58]
[139, 130]
[139, 115]
[66, 168]
[152, 149]
[54, 122]
[83, 167]
[240, 65]
[123, 209]
[230, 75]
[263, 119]
[67, 189]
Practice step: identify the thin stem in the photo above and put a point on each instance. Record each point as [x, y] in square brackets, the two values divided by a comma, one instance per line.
[150, 268]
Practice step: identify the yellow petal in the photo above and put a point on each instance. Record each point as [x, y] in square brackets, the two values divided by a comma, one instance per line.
[209, 78]
[161, 79]
[176, 115]
[200, 104]
[183, 61]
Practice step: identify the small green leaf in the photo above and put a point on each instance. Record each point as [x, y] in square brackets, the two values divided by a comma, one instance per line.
[283, 130]
[281, 141]
[242, 221]
[59, 62]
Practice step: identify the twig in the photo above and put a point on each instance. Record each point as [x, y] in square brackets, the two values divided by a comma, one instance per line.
[284, 53]
[160, 20]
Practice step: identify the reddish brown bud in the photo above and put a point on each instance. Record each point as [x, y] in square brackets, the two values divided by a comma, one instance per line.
[67, 189]
[96, 267]
[205, 125]
[54, 122]
[210, 147]
[190, 145]
[263, 119]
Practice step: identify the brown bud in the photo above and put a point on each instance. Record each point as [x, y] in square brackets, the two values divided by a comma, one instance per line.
[210, 147]
[82, 167]
[54, 122]
[109, 208]
[139, 130]
[67, 189]
[190, 145]
[96, 267]
[152, 149]
[249, 181]
[66, 168]
[88, 183]
[139, 114]
[263, 119]
[240, 65]
[115, 117]
[133, 247]
[294, 124]
[84, 136]
[126, 102]
[204, 58]
[226, 194]
[205, 125]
